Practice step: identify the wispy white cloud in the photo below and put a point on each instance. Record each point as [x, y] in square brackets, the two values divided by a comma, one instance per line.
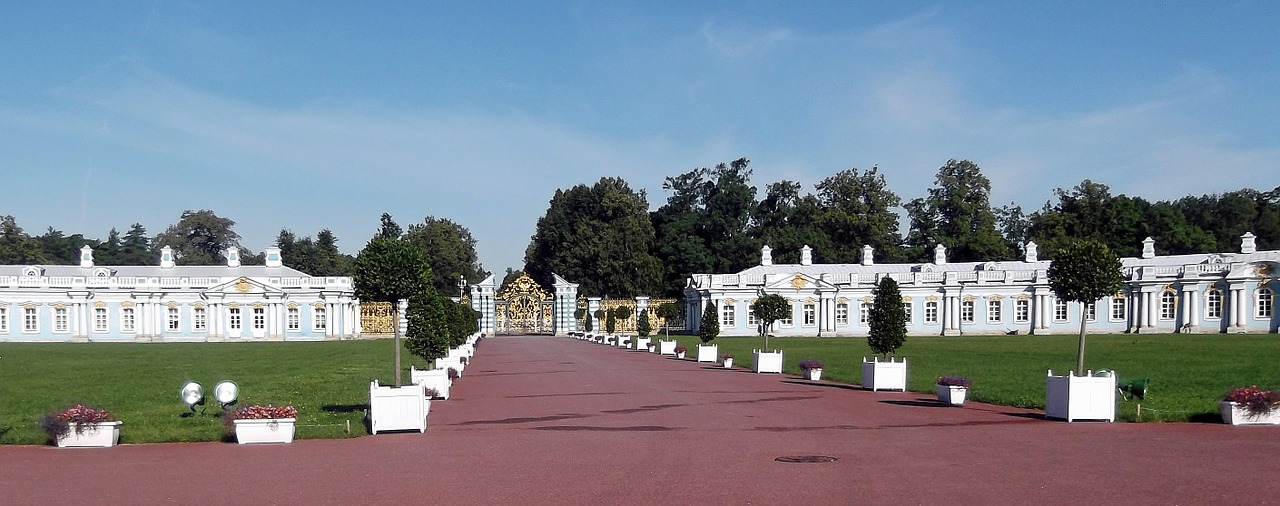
[737, 42]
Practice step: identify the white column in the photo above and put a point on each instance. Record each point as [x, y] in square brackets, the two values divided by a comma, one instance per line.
[1235, 308]
[1193, 306]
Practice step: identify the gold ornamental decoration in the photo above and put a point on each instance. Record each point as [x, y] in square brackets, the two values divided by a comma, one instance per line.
[523, 307]
[243, 285]
[375, 318]
[798, 282]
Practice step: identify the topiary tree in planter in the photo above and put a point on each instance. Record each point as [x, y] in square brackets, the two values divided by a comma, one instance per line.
[710, 326]
[586, 322]
[643, 327]
[668, 311]
[599, 314]
[1084, 272]
[768, 309]
[427, 335]
[886, 319]
[610, 321]
[623, 313]
[389, 270]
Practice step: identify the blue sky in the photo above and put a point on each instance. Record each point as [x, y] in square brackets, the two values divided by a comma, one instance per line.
[308, 115]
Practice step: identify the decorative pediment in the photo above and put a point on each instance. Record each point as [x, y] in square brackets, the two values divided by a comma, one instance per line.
[99, 304]
[798, 282]
[126, 304]
[996, 298]
[243, 286]
[523, 286]
[728, 301]
[172, 305]
[59, 305]
[842, 300]
[968, 298]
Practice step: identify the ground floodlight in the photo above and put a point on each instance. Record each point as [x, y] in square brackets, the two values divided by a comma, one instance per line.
[192, 394]
[226, 392]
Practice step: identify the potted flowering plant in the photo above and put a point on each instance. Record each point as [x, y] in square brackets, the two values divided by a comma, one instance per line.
[812, 369]
[263, 424]
[1251, 406]
[952, 389]
[680, 351]
[82, 426]
[728, 360]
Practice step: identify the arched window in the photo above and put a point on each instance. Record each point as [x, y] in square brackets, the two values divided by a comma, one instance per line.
[1168, 304]
[1213, 304]
[1266, 301]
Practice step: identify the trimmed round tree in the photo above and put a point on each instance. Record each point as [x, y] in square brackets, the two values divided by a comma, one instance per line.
[886, 319]
[586, 323]
[390, 270]
[668, 311]
[610, 321]
[427, 335]
[643, 326]
[710, 326]
[768, 309]
[623, 313]
[1084, 272]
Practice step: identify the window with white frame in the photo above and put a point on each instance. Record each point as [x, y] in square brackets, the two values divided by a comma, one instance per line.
[293, 320]
[4, 319]
[966, 311]
[199, 319]
[30, 320]
[864, 312]
[790, 319]
[993, 311]
[1059, 310]
[233, 319]
[1119, 308]
[728, 315]
[61, 320]
[319, 319]
[259, 318]
[127, 323]
[810, 314]
[100, 320]
[1091, 312]
[1213, 304]
[1022, 311]
[1168, 304]
[752, 321]
[931, 311]
[842, 313]
[1265, 303]
[906, 310]
[173, 322]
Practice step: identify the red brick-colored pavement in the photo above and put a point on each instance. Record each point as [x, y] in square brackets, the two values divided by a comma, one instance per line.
[545, 420]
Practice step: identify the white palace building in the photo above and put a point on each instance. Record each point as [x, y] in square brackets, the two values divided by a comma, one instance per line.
[168, 302]
[1201, 293]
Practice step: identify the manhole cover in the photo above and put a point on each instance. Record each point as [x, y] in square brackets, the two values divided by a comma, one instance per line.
[806, 459]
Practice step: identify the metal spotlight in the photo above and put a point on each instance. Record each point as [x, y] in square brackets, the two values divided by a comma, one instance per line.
[192, 394]
[225, 393]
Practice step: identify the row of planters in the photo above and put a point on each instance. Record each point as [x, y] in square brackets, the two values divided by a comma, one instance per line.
[407, 408]
[391, 408]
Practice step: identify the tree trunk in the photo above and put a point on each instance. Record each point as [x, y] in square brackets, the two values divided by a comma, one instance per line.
[395, 320]
[1080, 349]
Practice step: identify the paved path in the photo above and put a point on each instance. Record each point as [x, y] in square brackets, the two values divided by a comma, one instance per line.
[560, 421]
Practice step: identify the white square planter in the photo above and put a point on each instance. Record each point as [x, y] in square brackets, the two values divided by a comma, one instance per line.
[667, 347]
[266, 430]
[96, 435]
[451, 362]
[877, 375]
[642, 343]
[1074, 397]
[814, 374]
[766, 361]
[708, 353]
[434, 379]
[728, 363]
[624, 341]
[1235, 414]
[393, 408]
[951, 394]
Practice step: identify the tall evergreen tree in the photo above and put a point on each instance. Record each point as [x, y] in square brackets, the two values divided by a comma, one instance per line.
[887, 320]
[857, 210]
[199, 238]
[135, 249]
[450, 249]
[957, 214]
[16, 247]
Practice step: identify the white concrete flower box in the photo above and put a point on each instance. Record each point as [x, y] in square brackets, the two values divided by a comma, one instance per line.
[433, 379]
[766, 361]
[1086, 397]
[728, 363]
[93, 435]
[891, 375]
[392, 408]
[642, 343]
[667, 347]
[1235, 414]
[624, 341]
[951, 394]
[708, 353]
[814, 374]
[451, 363]
[264, 430]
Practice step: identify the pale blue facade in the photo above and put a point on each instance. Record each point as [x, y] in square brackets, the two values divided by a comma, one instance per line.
[173, 303]
[1202, 293]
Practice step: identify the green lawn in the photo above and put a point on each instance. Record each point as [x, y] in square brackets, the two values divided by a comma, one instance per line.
[1188, 373]
[328, 382]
